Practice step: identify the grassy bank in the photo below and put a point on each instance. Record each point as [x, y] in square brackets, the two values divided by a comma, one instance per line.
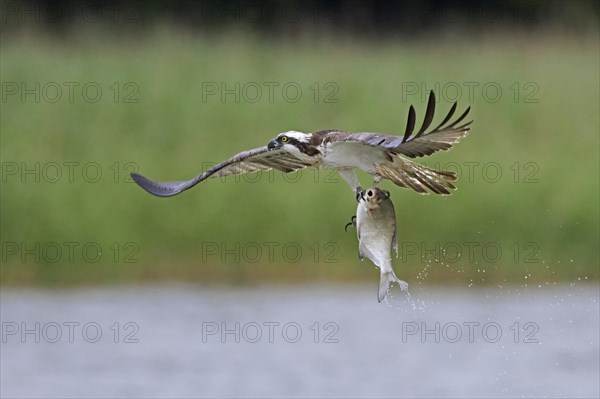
[529, 169]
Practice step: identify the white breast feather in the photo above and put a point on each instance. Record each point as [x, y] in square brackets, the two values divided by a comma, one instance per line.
[353, 155]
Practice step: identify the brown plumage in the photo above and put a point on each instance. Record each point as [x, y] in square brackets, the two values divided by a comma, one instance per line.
[382, 155]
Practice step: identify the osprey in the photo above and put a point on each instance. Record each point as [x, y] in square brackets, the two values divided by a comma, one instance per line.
[384, 156]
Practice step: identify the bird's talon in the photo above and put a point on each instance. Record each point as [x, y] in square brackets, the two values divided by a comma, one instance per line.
[352, 223]
[360, 194]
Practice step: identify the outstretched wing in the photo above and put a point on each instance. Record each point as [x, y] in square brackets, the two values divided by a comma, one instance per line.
[258, 159]
[422, 143]
[389, 151]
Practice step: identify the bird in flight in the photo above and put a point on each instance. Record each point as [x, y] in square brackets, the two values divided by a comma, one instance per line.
[384, 156]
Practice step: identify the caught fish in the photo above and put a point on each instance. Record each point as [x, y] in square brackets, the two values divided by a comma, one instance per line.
[376, 229]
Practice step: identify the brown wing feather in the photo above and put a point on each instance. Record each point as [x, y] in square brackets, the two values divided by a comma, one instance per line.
[409, 174]
[402, 171]
[420, 144]
[258, 159]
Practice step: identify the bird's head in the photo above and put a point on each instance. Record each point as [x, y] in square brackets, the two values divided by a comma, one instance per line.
[289, 140]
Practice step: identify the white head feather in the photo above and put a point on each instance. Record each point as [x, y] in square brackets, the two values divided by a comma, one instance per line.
[303, 137]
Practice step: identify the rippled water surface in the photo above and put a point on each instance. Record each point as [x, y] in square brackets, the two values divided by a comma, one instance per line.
[313, 341]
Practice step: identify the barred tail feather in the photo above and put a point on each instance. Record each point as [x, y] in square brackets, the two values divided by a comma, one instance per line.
[405, 173]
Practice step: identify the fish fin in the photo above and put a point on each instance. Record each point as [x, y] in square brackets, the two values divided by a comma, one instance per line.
[395, 242]
[386, 279]
[365, 252]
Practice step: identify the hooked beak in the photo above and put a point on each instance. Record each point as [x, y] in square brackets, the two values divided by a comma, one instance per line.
[273, 145]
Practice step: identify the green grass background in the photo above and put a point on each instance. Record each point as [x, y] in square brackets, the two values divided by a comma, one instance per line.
[170, 133]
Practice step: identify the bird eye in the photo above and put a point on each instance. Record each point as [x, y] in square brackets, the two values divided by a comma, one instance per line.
[284, 139]
[370, 193]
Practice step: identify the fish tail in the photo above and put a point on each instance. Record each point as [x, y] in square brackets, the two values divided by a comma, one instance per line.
[387, 278]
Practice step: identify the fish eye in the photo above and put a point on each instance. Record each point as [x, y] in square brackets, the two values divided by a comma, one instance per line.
[284, 139]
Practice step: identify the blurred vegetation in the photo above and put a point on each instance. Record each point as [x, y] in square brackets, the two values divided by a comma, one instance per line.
[171, 133]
